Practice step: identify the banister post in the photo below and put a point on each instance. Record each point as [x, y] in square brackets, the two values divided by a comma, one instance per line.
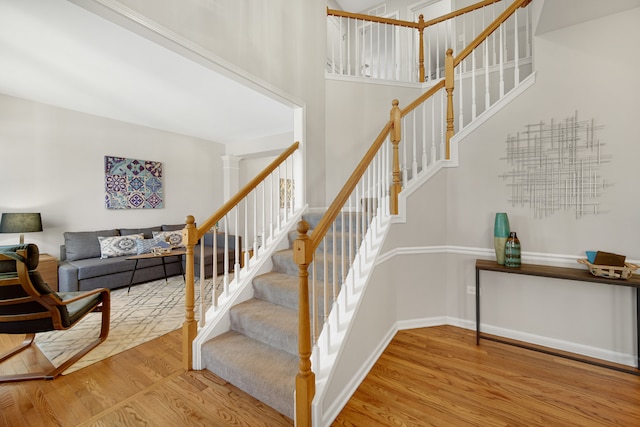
[421, 48]
[306, 379]
[448, 85]
[396, 135]
[190, 325]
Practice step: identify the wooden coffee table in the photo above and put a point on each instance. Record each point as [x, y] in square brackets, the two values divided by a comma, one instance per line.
[175, 252]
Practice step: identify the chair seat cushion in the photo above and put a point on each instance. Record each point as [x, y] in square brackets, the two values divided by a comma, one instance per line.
[76, 310]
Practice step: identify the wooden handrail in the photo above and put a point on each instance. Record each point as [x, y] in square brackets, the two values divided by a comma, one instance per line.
[410, 24]
[490, 29]
[332, 213]
[244, 191]
[371, 18]
[459, 12]
[419, 100]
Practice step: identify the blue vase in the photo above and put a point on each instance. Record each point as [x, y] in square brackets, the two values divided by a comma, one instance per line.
[500, 235]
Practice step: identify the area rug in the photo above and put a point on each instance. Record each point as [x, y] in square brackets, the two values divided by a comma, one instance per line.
[148, 311]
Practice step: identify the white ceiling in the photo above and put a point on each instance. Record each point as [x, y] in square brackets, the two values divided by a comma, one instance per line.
[57, 53]
[357, 6]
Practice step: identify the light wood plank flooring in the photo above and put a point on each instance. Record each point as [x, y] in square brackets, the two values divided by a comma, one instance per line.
[431, 376]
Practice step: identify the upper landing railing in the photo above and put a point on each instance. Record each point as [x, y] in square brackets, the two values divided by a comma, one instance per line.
[365, 46]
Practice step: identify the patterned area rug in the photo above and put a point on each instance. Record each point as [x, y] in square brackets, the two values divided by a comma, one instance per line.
[149, 311]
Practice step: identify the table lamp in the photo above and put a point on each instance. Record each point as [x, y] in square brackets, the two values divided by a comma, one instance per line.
[20, 223]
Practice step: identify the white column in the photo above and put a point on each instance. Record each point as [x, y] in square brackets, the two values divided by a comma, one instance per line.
[231, 175]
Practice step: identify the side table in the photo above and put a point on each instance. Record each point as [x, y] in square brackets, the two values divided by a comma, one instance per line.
[564, 273]
[48, 269]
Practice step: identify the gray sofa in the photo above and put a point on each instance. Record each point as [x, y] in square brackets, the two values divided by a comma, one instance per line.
[81, 267]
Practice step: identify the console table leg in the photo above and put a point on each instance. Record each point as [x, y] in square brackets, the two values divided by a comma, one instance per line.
[477, 306]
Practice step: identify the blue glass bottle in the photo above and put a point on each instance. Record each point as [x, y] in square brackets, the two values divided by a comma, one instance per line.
[512, 251]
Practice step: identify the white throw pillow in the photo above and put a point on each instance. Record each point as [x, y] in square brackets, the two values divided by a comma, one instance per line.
[145, 245]
[119, 245]
[173, 237]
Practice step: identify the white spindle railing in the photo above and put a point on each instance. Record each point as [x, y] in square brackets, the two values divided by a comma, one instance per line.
[347, 241]
[360, 48]
[245, 231]
[366, 49]
[496, 67]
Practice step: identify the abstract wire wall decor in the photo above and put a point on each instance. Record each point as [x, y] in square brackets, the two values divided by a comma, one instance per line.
[556, 167]
[132, 184]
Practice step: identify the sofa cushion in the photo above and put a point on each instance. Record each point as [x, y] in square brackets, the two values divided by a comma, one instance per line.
[85, 244]
[148, 232]
[116, 246]
[89, 268]
[173, 237]
[174, 227]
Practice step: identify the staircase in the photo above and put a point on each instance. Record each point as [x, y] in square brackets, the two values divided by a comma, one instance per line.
[259, 354]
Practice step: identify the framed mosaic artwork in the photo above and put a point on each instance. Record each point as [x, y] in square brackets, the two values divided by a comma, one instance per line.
[132, 183]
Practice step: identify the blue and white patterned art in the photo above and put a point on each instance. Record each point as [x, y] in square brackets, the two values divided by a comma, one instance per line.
[132, 184]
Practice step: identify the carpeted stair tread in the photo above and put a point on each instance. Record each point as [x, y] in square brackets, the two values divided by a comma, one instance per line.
[278, 288]
[269, 323]
[264, 372]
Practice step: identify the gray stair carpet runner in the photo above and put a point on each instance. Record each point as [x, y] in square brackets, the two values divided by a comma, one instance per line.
[259, 354]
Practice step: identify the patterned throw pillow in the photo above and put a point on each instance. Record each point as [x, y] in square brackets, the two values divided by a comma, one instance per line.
[119, 245]
[173, 237]
[144, 245]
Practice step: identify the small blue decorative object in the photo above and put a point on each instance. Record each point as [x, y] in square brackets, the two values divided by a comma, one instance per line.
[591, 256]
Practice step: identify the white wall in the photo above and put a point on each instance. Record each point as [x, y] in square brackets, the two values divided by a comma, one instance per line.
[280, 42]
[53, 163]
[585, 68]
[356, 113]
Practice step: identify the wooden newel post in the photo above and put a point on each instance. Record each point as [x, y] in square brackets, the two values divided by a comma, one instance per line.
[396, 136]
[421, 51]
[190, 325]
[306, 379]
[448, 85]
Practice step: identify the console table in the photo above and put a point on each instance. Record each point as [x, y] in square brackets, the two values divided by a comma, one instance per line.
[582, 275]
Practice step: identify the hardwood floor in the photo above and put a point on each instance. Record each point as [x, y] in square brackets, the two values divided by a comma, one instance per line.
[431, 376]
[439, 377]
[144, 386]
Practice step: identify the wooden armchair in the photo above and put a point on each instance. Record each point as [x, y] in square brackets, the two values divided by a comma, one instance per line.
[28, 306]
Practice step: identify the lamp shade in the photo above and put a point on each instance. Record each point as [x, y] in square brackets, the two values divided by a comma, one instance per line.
[20, 223]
